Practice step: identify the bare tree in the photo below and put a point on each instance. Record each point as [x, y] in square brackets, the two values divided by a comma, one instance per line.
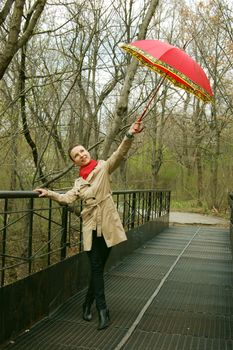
[122, 105]
[13, 15]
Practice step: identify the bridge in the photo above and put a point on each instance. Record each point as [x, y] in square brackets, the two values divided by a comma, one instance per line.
[168, 287]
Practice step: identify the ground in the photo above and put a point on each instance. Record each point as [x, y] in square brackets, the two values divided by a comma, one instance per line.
[196, 219]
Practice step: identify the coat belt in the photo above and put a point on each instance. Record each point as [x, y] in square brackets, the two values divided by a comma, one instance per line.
[98, 214]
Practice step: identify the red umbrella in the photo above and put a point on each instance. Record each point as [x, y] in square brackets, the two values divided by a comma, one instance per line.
[173, 64]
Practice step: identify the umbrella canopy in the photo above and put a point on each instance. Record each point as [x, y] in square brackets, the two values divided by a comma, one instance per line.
[172, 63]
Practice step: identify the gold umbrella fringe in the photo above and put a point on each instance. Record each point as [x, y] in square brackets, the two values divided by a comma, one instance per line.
[193, 88]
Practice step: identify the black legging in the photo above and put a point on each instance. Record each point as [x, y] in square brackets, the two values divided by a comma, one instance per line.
[98, 256]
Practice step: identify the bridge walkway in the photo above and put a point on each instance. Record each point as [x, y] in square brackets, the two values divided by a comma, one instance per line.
[173, 293]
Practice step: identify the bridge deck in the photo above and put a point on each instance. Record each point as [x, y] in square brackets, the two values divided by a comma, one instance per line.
[174, 293]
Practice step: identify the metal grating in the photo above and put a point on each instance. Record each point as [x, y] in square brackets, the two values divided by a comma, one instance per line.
[151, 267]
[52, 333]
[192, 311]
[202, 271]
[188, 323]
[192, 297]
[161, 341]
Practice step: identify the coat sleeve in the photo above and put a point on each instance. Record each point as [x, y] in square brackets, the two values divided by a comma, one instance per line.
[66, 198]
[114, 160]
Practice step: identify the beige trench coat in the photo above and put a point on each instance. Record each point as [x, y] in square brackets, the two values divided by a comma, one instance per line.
[99, 211]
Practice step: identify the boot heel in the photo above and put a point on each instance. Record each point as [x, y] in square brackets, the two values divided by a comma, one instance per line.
[104, 319]
[87, 315]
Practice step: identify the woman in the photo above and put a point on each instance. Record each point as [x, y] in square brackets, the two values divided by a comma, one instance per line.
[102, 227]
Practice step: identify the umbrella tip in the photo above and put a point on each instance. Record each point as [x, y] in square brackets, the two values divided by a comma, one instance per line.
[121, 45]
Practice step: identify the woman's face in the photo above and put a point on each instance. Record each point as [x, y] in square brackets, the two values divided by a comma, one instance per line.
[80, 155]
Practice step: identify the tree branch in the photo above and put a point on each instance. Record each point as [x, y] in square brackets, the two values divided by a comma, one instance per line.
[5, 11]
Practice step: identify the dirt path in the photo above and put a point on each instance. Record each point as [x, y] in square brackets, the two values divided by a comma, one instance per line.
[197, 219]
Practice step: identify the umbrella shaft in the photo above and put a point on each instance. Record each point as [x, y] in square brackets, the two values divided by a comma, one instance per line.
[153, 96]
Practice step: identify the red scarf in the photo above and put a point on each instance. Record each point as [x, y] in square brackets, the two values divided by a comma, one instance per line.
[87, 169]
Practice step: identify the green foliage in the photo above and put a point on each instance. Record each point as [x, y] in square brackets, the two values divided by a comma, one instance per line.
[188, 206]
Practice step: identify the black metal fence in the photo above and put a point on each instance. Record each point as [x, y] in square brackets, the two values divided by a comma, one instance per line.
[37, 232]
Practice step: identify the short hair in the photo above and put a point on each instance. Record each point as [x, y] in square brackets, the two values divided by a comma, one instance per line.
[70, 149]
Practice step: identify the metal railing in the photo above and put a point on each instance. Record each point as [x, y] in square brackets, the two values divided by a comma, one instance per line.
[37, 232]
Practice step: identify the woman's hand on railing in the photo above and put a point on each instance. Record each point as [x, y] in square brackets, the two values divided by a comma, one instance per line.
[42, 192]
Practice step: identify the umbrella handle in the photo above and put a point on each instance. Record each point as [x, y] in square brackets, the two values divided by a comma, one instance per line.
[151, 99]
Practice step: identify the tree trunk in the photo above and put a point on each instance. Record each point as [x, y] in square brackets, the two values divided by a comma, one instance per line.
[16, 39]
[122, 106]
[215, 173]
[198, 140]
[26, 131]
[13, 183]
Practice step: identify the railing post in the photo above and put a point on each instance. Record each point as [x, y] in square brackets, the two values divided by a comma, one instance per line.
[30, 230]
[124, 206]
[149, 206]
[4, 241]
[143, 207]
[49, 231]
[160, 203]
[133, 210]
[64, 231]
[168, 202]
[139, 209]
[230, 200]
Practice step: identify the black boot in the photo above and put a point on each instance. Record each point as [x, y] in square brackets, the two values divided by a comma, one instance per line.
[87, 315]
[103, 319]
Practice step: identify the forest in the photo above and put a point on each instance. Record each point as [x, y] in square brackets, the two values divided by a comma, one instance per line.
[64, 80]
